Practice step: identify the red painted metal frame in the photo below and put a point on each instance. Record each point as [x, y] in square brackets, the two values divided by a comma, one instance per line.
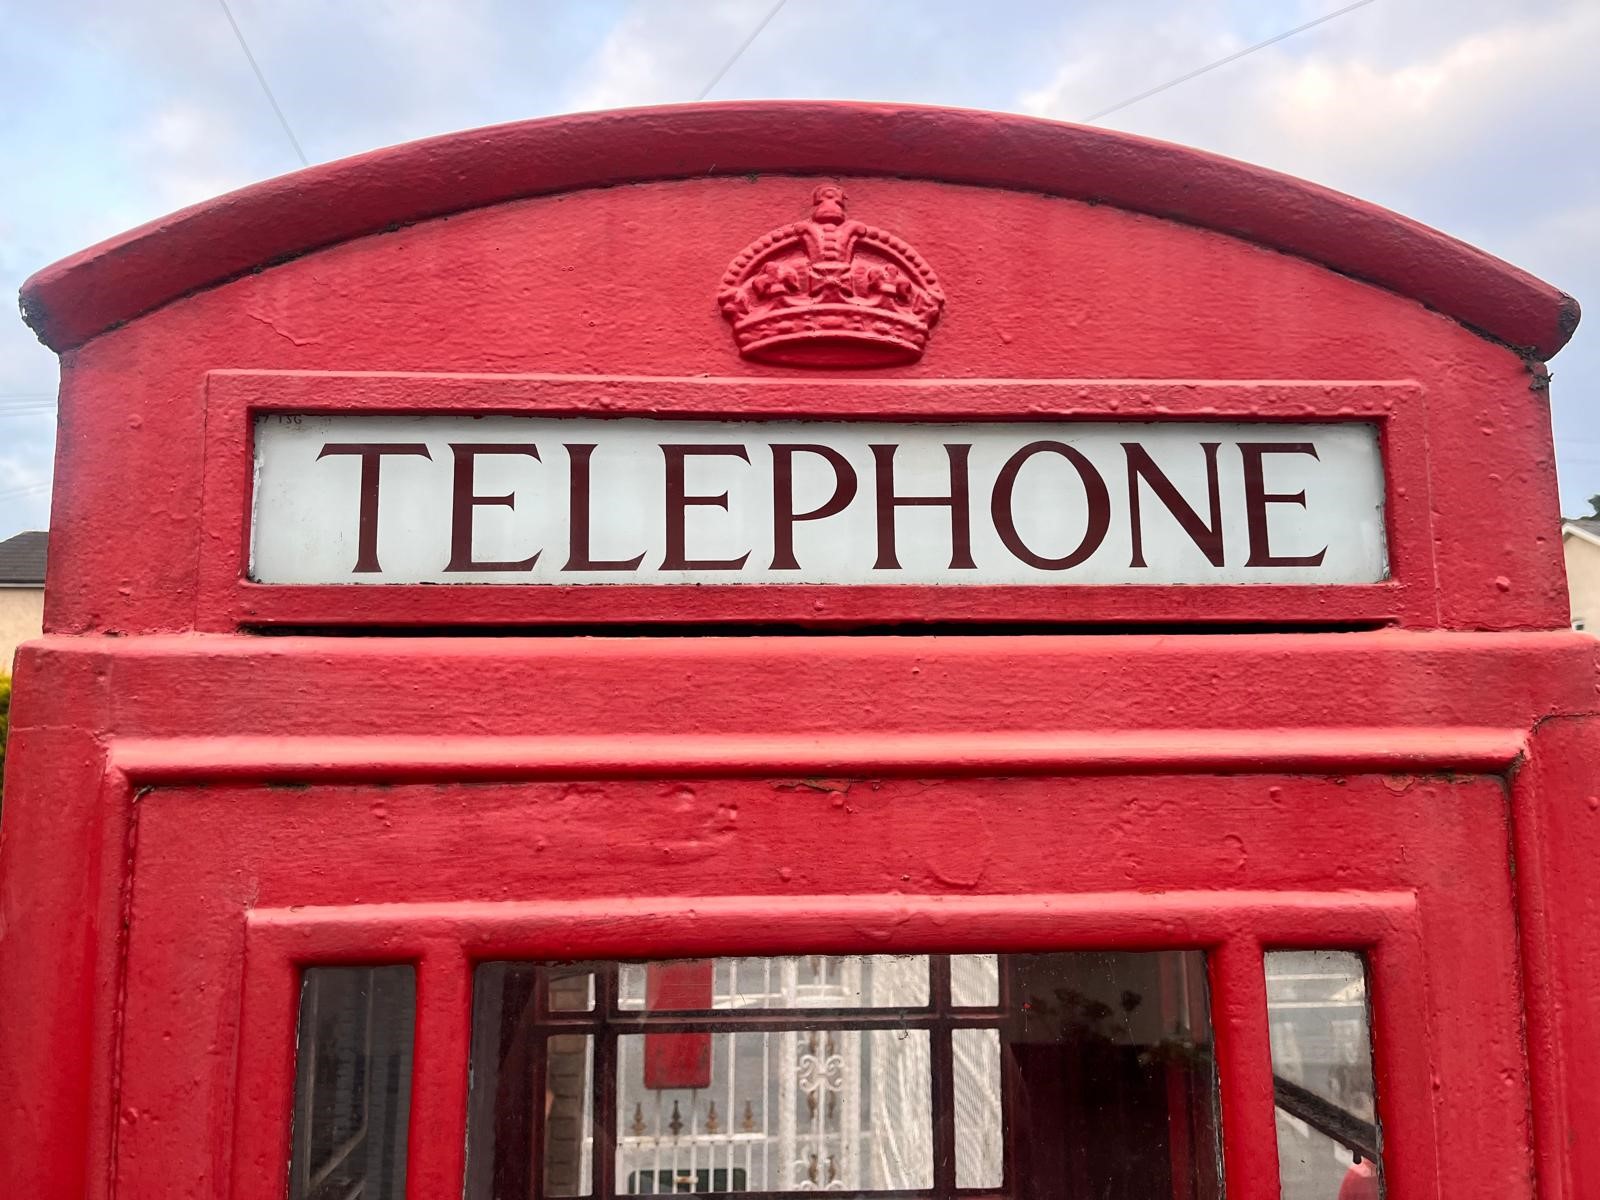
[444, 939]
[365, 712]
[283, 218]
[228, 599]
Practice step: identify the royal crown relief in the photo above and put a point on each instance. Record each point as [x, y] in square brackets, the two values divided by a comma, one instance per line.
[831, 291]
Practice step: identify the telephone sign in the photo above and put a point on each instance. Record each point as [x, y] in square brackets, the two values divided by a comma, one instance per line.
[443, 499]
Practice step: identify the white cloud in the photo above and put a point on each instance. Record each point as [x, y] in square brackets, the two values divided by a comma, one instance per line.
[1325, 105]
[664, 52]
[182, 154]
[1476, 118]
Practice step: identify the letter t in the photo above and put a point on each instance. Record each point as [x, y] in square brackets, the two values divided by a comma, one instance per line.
[371, 462]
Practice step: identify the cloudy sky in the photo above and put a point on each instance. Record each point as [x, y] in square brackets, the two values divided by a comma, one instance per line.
[1480, 117]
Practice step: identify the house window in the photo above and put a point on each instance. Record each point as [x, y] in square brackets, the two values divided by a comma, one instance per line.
[1024, 1075]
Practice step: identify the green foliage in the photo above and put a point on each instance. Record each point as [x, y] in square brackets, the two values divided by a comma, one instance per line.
[1594, 503]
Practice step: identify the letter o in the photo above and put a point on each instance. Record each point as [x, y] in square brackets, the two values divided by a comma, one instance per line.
[1099, 507]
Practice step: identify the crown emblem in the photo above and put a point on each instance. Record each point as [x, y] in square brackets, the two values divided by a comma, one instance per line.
[830, 292]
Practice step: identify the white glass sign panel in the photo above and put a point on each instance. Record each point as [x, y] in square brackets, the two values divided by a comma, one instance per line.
[549, 500]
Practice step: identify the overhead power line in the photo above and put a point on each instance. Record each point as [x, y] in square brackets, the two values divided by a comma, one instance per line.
[1222, 62]
[265, 87]
[739, 53]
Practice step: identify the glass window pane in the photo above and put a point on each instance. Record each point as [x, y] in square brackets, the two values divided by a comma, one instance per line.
[797, 981]
[569, 989]
[782, 1111]
[1328, 1140]
[568, 1124]
[975, 1060]
[975, 980]
[352, 1100]
[529, 1081]
[1063, 1075]
[1116, 1085]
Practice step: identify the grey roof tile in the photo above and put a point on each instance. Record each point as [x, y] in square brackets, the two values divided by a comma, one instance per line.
[22, 559]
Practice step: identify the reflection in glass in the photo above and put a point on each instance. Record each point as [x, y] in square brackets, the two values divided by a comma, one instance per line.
[790, 1110]
[568, 1115]
[975, 980]
[572, 992]
[804, 981]
[1328, 1139]
[1048, 1075]
[1113, 1072]
[352, 1092]
[980, 1152]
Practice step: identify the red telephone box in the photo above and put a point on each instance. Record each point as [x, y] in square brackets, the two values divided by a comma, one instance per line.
[800, 647]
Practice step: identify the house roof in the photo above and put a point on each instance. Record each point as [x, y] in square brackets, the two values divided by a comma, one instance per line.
[270, 222]
[1587, 527]
[22, 559]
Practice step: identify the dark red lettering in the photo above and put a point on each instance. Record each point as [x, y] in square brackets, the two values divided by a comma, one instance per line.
[1205, 535]
[371, 454]
[958, 502]
[578, 558]
[1097, 512]
[1256, 499]
[678, 502]
[465, 503]
[783, 514]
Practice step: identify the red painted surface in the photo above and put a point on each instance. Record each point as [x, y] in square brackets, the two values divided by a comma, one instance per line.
[194, 809]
